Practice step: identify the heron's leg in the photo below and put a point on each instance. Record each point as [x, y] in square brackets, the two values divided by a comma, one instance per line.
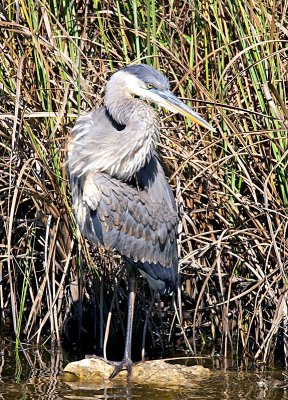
[126, 363]
[146, 325]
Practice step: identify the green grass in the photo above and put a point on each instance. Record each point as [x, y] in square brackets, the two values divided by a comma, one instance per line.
[228, 60]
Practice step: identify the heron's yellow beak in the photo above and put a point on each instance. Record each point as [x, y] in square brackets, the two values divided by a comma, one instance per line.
[167, 100]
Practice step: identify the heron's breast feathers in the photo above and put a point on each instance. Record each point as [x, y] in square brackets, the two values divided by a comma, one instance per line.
[97, 146]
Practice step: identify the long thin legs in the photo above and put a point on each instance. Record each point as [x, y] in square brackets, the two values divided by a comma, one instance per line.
[126, 363]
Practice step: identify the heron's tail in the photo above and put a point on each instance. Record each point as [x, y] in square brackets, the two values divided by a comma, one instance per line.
[161, 279]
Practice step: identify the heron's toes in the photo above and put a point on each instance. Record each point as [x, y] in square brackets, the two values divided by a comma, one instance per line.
[126, 363]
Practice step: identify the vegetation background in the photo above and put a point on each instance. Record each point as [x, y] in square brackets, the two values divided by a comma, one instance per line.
[225, 58]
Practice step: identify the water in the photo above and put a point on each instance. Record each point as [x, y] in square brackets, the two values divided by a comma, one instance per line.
[18, 381]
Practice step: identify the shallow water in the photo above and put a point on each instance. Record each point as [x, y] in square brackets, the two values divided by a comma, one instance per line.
[18, 381]
[221, 385]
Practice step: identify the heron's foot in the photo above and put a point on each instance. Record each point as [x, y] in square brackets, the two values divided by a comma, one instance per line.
[126, 363]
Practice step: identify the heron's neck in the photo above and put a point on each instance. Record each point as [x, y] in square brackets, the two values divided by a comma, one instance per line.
[139, 137]
[126, 109]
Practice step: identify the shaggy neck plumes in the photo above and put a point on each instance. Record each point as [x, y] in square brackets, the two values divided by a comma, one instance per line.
[137, 141]
[117, 140]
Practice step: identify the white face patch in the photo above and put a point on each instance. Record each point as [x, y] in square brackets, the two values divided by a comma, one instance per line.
[135, 86]
[125, 82]
[138, 88]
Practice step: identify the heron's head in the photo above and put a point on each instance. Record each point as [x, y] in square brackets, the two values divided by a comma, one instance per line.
[149, 84]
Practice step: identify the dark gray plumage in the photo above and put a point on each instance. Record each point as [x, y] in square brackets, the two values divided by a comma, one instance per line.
[120, 194]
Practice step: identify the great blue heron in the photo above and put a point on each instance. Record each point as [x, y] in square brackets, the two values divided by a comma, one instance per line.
[121, 196]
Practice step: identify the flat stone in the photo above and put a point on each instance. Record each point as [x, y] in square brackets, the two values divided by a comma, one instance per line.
[155, 372]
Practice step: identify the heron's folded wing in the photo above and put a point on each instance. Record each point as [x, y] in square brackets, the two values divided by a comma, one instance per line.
[124, 219]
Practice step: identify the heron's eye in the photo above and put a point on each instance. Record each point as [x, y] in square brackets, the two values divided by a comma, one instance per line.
[149, 85]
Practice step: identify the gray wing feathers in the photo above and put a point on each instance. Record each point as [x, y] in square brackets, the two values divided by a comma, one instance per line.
[127, 220]
[152, 177]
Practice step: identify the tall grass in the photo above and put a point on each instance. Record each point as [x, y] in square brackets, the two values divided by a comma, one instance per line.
[227, 59]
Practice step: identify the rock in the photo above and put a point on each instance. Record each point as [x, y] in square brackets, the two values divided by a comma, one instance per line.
[156, 372]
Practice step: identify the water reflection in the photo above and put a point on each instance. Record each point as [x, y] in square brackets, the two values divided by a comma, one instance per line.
[19, 381]
[220, 386]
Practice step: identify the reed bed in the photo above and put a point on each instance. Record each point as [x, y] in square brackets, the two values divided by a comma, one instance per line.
[228, 60]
